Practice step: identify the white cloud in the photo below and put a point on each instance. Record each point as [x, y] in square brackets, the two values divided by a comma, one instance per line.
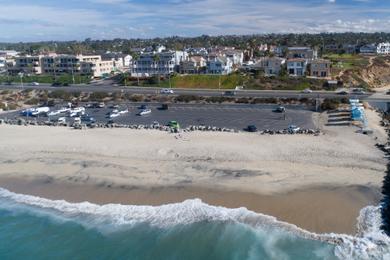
[128, 19]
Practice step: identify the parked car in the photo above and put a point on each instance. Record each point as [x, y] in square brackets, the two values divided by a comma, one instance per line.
[101, 105]
[142, 107]
[145, 112]
[307, 91]
[342, 92]
[62, 120]
[56, 84]
[293, 129]
[358, 91]
[280, 109]
[229, 93]
[164, 107]
[166, 91]
[173, 124]
[251, 128]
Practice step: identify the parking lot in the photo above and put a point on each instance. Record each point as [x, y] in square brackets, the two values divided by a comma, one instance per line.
[236, 116]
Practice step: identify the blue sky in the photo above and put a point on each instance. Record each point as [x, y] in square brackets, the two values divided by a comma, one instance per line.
[36, 20]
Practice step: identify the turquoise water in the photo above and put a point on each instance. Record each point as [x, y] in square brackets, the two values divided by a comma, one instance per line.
[35, 228]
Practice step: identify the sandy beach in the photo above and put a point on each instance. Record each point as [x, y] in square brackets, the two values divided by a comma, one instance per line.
[319, 183]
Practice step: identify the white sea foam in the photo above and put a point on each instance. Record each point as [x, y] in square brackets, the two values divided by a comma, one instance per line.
[369, 243]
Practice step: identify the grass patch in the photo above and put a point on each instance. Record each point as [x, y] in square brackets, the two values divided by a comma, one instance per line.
[49, 79]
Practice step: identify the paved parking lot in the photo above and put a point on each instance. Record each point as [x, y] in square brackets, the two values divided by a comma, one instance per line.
[234, 116]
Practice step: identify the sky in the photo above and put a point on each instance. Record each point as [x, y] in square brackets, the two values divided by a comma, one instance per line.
[42, 20]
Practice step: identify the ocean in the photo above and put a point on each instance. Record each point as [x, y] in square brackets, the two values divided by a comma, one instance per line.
[37, 228]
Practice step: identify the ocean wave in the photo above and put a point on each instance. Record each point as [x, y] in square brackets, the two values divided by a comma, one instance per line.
[369, 243]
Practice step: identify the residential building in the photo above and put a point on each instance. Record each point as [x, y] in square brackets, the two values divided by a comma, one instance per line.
[272, 65]
[320, 68]
[121, 61]
[8, 54]
[276, 50]
[27, 64]
[158, 63]
[219, 65]
[297, 67]
[383, 48]
[94, 65]
[368, 49]
[302, 52]
[350, 48]
[57, 64]
[3, 64]
[236, 56]
[194, 65]
[197, 52]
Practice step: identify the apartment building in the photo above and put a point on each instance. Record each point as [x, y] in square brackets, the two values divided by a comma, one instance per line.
[26, 64]
[320, 68]
[57, 64]
[383, 48]
[158, 63]
[297, 67]
[95, 66]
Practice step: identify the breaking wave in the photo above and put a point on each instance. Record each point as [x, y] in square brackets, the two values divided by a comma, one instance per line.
[369, 243]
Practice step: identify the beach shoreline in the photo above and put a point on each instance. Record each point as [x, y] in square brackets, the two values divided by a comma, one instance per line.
[316, 209]
[319, 183]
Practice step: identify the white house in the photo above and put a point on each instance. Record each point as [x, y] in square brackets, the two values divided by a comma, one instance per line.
[383, 48]
[297, 67]
[219, 65]
[272, 65]
[158, 63]
[3, 64]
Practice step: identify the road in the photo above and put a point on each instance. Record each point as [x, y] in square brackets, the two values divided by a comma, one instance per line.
[197, 92]
[235, 116]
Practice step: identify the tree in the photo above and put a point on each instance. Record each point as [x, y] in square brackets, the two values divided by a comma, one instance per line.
[156, 59]
[135, 57]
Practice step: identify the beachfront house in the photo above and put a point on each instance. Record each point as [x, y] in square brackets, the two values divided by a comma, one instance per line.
[320, 68]
[272, 65]
[383, 48]
[219, 65]
[157, 63]
[194, 65]
[297, 67]
[301, 53]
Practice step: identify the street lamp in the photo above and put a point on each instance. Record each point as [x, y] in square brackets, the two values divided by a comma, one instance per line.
[21, 78]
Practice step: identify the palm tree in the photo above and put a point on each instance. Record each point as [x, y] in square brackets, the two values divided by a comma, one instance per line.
[135, 57]
[156, 59]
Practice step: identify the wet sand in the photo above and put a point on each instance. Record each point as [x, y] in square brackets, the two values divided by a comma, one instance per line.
[317, 209]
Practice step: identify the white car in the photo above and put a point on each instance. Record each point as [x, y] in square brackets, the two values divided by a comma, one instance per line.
[77, 120]
[123, 111]
[293, 129]
[34, 84]
[145, 112]
[54, 113]
[62, 120]
[307, 91]
[63, 109]
[112, 115]
[166, 91]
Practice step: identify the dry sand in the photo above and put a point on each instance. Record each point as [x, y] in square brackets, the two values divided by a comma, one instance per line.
[270, 174]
